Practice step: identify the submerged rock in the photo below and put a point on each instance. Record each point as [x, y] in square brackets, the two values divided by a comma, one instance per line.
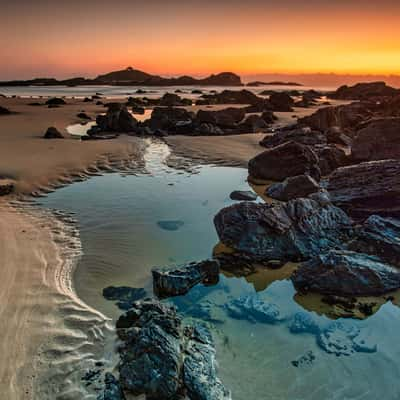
[281, 162]
[304, 323]
[172, 225]
[346, 273]
[293, 187]
[53, 133]
[112, 389]
[174, 281]
[124, 296]
[367, 188]
[162, 358]
[243, 195]
[295, 230]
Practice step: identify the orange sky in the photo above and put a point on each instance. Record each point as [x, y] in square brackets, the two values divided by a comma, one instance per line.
[45, 38]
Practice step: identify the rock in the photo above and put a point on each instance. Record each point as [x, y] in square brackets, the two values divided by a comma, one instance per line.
[304, 360]
[171, 119]
[243, 195]
[367, 188]
[293, 187]
[291, 231]
[362, 91]
[209, 129]
[254, 124]
[6, 187]
[303, 323]
[55, 101]
[281, 102]
[53, 133]
[87, 99]
[138, 110]
[304, 136]
[117, 119]
[379, 236]
[226, 118]
[178, 280]
[234, 97]
[83, 116]
[346, 273]
[112, 389]
[378, 140]
[4, 111]
[124, 295]
[281, 162]
[334, 135]
[151, 356]
[253, 309]
[269, 117]
[330, 157]
[172, 225]
[173, 100]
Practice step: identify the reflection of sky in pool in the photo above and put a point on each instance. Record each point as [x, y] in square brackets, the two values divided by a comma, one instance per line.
[258, 337]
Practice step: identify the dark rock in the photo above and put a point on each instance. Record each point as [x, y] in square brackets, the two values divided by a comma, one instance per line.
[295, 230]
[87, 100]
[362, 91]
[234, 97]
[281, 102]
[379, 236]
[112, 389]
[4, 111]
[254, 309]
[303, 323]
[305, 360]
[293, 187]
[197, 91]
[378, 140]
[288, 159]
[330, 157]
[170, 225]
[53, 133]
[178, 280]
[367, 188]
[304, 136]
[83, 116]
[124, 296]
[6, 187]
[55, 101]
[173, 100]
[269, 117]
[226, 118]
[243, 195]
[152, 362]
[170, 119]
[254, 124]
[209, 129]
[117, 119]
[346, 273]
[334, 135]
[138, 110]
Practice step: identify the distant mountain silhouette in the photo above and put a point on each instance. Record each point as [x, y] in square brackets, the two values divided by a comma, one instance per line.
[134, 77]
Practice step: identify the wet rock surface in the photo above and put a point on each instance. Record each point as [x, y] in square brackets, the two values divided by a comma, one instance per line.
[112, 389]
[304, 136]
[364, 90]
[55, 101]
[4, 111]
[53, 133]
[293, 187]
[117, 119]
[178, 280]
[295, 230]
[124, 296]
[346, 273]
[243, 195]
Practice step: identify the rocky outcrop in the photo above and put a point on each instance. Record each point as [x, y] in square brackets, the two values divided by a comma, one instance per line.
[281, 102]
[296, 230]
[55, 101]
[173, 100]
[226, 118]
[243, 195]
[234, 97]
[379, 236]
[163, 359]
[53, 133]
[292, 188]
[305, 136]
[281, 162]
[124, 296]
[367, 188]
[378, 140]
[362, 91]
[117, 119]
[175, 281]
[331, 157]
[346, 273]
[171, 120]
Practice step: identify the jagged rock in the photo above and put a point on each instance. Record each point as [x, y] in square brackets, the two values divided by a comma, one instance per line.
[112, 389]
[288, 159]
[362, 91]
[334, 135]
[83, 116]
[117, 119]
[152, 363]
[254, 124]
[4, 111]
[243, 195]
[281, 102]
[293, 187]
[330, 157]
[295, 230]
[55, 101]
[379, 236]
[178, 280]
[367, 188]
[304, 136]
[6, 187]
[124, 296]
[226, 118]
[378, 140]
[170, 119]
[346, 273]
[53, 133]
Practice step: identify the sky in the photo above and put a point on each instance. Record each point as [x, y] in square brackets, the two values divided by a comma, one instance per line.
[62, 39]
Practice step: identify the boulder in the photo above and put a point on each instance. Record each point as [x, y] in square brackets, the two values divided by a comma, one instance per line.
[379, 236]
[173, 100]
[117, 119]
[305, 136]
[178, 280]
[346, 273]
[4, 111]
[112, 389]
[151, 356]
[281, 162]
[234, 97]
[291, 231]
[171, 119]
[6, 187]
[124, 296]
[269, 117]
[55, 101]
[226, 118]
[83, 115]
[292, 188]
[378, 140]
[367, 188]
[254, 124]
[209, 129]
[53, 133]
[330, 157]
[362, 91]
[243, 195]
[281, 102]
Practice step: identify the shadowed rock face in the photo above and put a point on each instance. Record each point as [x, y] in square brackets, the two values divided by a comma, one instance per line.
[4, 111]
[296, 230]
[112, 389]
[293, 187]
[281, 162]
[362, 91]
[346, 273]
[304, 136]
[243, 195]
[367, 188]
[281, 102]
[378, 140]
[163, 359]
[117, 119]
[53, 133]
